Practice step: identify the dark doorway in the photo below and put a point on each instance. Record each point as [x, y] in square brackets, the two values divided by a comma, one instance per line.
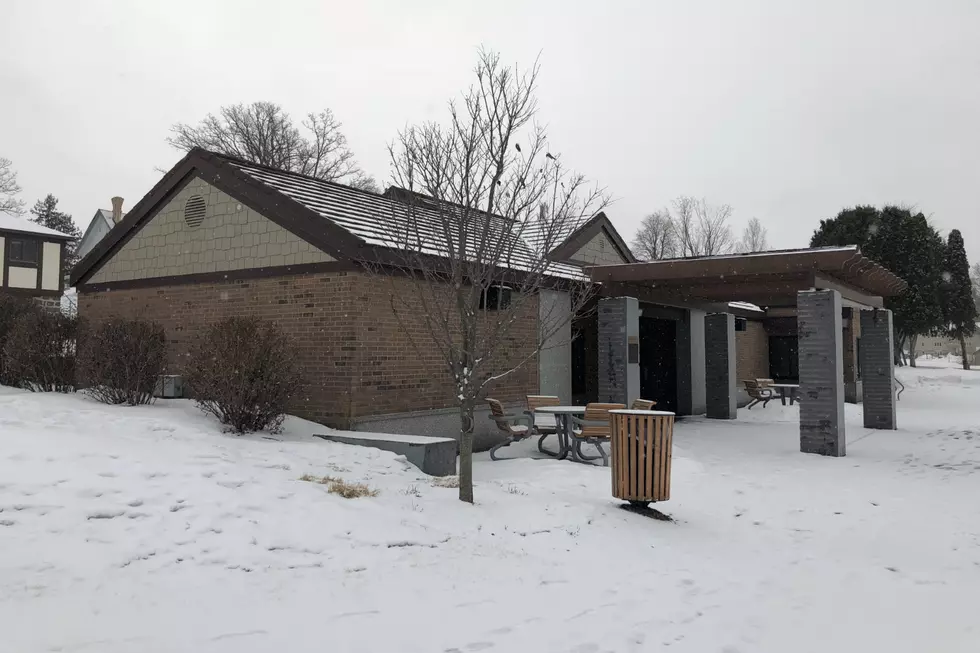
[658, 362]
[585, 359]
[784, 358]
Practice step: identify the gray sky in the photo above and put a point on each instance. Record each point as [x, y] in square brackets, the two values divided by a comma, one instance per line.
[786, 110]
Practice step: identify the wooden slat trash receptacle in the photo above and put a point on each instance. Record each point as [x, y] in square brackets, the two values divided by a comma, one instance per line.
[640, 454]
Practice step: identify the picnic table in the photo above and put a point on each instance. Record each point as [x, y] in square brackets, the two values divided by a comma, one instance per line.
[790, 390]
[564, 429]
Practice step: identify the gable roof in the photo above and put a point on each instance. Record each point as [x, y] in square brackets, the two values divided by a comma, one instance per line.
[345, 222]
[101, 216]
[578, 238]
[17, 224]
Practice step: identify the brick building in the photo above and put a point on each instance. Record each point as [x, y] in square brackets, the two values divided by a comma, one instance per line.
[218, 237]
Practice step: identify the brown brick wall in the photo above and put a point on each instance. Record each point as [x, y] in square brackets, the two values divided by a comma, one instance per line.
[752, 352]
[398, 373]
[356, 358]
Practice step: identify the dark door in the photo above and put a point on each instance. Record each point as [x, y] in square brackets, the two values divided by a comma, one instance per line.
[784, 358]
[658, 362]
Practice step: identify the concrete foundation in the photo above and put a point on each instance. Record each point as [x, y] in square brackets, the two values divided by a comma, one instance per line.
[434, 456]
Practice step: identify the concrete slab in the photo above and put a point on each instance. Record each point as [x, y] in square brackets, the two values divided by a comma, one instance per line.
[434, 456]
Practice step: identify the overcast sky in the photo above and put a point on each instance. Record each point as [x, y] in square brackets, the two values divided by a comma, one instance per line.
[786, 110]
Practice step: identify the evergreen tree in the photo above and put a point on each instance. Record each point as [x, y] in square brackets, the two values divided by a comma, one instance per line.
[959, 310]
[46, 213]
[907, 245]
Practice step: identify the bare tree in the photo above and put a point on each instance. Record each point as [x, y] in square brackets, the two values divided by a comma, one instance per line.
[702, 229]
[754, 237]
[8, 189]
[263, 133]
[482, 202]
[656, 238]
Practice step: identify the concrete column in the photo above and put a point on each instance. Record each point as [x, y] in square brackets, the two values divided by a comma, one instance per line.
[555, 331]
[852, 330]
[821, 372]
[878, 369]
[690, 364]
[619, 350]
[719, 366]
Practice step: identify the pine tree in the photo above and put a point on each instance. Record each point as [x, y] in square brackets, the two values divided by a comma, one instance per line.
[46, 213]
[907, 245]
[959, 309]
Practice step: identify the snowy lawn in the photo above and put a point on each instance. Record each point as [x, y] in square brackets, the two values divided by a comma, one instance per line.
[147, 529]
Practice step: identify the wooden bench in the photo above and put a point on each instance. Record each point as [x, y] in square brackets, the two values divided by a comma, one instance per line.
[759, 390]
[593, 428]
[643, 404]
[514, 427]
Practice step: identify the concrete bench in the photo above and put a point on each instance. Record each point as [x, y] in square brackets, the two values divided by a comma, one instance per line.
[434, 456]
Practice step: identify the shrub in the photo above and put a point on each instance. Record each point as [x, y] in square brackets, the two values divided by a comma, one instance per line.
[244, 373]
[11, 309]
[121, 361]
[39, 351]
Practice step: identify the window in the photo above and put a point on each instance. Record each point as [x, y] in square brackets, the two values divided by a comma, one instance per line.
[741, 324]
[495, 298]
[23, 252]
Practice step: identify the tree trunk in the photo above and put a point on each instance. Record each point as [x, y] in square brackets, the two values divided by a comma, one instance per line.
[899, 345]
[466, 451]
[966, 361]
[913, 340]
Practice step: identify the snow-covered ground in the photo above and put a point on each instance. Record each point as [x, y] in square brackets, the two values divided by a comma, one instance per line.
[147, 529]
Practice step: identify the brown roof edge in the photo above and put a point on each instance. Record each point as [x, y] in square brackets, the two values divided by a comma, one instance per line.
[847, 263]
[578, 238]
[284, 211]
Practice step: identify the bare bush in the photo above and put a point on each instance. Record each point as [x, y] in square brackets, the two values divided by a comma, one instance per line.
[11, 309]
[39, 351]
[244, 373]
[121, 361]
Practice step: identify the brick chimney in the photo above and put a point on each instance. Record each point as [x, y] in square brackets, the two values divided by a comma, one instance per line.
[117, 209]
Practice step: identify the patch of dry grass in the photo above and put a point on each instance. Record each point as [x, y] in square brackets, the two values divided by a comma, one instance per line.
[446, 481]
[340, 486]
[351, 490]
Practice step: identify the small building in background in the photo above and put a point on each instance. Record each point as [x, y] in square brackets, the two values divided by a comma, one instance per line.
[31, 259]
[99, 226]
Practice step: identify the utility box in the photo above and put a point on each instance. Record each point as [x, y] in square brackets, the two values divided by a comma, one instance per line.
[169, 386]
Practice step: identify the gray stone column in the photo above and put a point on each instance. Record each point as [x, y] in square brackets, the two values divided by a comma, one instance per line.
[821, 372]
[690, 363]
[719, 366]
[619, 350]
[878, 369]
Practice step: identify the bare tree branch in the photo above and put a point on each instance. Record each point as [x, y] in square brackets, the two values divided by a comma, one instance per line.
[754, 238]
[656, 238]
[9, 188]
[481, 201]
[263, 133]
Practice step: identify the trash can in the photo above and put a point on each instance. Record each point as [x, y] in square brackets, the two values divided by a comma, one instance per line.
[640, 454]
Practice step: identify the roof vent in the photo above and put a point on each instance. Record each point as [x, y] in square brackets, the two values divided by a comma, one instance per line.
[194, 211]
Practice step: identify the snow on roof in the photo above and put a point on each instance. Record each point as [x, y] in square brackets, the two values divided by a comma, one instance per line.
[106, 214]
[382, 220]
[15, 223]
[745, 306]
